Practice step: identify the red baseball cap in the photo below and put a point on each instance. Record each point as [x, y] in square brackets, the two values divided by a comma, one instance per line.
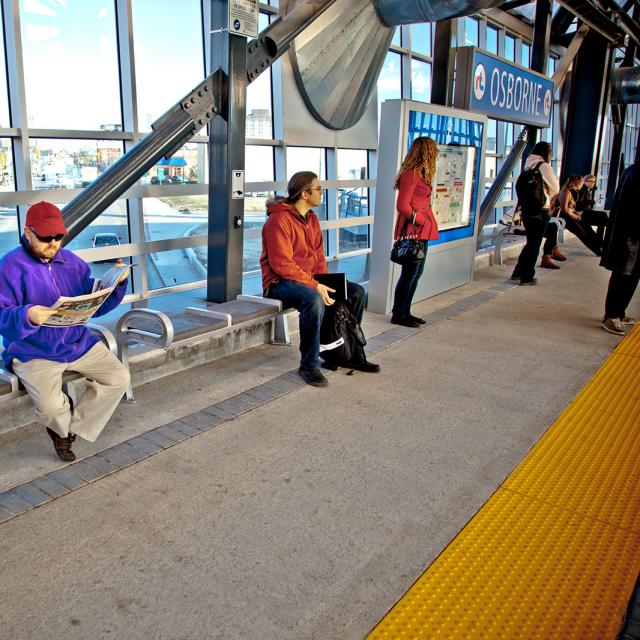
[45, 219]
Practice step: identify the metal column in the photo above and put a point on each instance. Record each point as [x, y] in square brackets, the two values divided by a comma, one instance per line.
[442, 64]
[539, 55]
[588, 86]
[618, 118]
[226, 157]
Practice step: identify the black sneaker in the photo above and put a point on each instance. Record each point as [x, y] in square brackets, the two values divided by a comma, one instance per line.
[62, 446]
[528, 283]
[418, 320]
[366, 366]
[313, 377]
[405, 322]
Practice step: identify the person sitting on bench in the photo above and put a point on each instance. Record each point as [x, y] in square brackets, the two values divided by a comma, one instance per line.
[292, 253]
[32, 278]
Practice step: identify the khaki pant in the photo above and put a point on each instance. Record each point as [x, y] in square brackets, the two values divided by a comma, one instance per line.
[107, 380]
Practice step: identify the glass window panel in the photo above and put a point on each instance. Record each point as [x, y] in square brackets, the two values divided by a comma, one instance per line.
[169, 268]
[510, 48]
[492, 40]
[491, 134]
[354, 238]
[471, 32]
[259, 103]
[70, 164]
[168, 52]
[390, 79]
[525, 55]
[508, 136]
[421, 41]
[108, 229]
[5, 120]
[7, 178]
[259, 164]
[306, 159]
[70, 55]
[8, 229]
[490, 167]
[397, 34]
[255, 214]
[175, 217]
[551, 66]
[420, 80]
[352, 164]
[186, 166]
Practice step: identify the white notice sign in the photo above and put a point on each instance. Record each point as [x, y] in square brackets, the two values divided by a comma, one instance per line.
[237, 184]
[243, 17]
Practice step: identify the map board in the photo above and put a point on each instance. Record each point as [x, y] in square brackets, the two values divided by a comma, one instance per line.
[451, 195]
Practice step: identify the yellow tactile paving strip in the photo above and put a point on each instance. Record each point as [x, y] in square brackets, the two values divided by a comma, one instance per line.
[555, 552]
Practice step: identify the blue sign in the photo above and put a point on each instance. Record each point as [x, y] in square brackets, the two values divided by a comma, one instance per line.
[507, 91]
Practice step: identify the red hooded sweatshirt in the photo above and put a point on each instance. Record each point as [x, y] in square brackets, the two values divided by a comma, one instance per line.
[292, 246]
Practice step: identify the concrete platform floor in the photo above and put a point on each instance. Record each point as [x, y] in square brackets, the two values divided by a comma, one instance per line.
[308, 517]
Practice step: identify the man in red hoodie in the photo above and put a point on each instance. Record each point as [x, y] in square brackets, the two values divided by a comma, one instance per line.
[292, 253]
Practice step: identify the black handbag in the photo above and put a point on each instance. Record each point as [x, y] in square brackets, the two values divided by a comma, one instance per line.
[407, 248]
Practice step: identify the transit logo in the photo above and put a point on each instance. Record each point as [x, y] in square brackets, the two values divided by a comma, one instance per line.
[547, 103]
[479, 82]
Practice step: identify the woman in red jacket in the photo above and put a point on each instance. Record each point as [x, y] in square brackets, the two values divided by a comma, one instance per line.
[415, 217]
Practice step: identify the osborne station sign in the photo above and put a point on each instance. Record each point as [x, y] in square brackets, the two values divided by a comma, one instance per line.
[500, 89]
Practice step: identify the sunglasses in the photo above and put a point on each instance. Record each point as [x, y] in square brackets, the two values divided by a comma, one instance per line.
[47, 239]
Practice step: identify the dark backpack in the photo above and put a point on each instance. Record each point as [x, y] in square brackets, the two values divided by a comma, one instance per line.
[530, 190]
[340, 328]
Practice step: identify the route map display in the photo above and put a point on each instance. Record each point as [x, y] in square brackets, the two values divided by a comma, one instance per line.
[451, 195]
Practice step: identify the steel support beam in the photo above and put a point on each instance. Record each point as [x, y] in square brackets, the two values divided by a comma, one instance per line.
[226, 162]
[539, 56]
[589, 83]
[618, 118]
[441, 69]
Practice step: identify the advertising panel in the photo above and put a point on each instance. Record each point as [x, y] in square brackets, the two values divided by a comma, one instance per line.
[500, 89]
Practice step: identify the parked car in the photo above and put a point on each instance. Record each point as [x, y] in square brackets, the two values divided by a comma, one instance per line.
[105, 240]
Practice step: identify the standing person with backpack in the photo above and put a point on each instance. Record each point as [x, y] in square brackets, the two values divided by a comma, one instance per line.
[415, 218]
[292, 253]
[536, 187]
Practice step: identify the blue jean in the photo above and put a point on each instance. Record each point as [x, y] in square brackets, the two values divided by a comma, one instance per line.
[407, 285]
[311, 308]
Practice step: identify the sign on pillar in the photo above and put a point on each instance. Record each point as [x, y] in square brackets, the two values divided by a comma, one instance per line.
[243, 18]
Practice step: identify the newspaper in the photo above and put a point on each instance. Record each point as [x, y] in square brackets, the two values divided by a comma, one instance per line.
[77, 310]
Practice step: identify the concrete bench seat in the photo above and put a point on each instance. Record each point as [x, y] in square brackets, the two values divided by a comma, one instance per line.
[509, 227]
[154, 333]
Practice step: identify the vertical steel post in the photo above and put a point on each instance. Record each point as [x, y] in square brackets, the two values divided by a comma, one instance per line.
[226, 156]
[539, 55]
[441, 90]
[589, 83]
[618, 118]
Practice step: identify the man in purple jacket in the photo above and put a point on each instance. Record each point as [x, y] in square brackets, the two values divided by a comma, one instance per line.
[32, 278]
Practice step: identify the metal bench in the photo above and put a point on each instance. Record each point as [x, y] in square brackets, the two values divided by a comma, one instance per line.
[512, 227]
[279, 325]
[146, 326]
[10, 386]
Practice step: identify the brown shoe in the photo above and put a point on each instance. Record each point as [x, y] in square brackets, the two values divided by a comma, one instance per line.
[62, 445]
[556, 255]
[548, 263]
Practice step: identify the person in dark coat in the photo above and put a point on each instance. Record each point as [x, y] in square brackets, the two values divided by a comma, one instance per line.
[621, 251]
